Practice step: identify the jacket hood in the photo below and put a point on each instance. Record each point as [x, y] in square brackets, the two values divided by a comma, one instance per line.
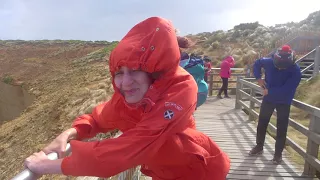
[229, 59]
[150, 46]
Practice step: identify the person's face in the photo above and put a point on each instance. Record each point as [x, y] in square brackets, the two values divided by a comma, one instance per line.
[133, 84]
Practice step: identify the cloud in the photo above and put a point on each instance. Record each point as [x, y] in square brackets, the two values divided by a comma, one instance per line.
[110, 20]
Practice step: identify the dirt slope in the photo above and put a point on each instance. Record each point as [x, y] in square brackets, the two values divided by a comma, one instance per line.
[68, 79]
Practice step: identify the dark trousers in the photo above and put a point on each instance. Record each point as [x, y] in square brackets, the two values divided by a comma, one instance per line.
[283, 111]
[206, 79]
[224, 87]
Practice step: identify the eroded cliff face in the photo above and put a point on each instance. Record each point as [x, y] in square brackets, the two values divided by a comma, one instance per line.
[13, 100]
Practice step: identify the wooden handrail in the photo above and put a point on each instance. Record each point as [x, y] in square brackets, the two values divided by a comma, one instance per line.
[232, 69]
[300, 59]
[310, 154]
[213, 73]
[307, 68]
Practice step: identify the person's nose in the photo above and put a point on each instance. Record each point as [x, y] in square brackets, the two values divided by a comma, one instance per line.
[127, 79]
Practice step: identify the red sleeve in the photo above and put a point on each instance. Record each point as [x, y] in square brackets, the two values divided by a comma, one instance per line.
[227, 65]
[138, 145]
[232, 64]
[88, 125]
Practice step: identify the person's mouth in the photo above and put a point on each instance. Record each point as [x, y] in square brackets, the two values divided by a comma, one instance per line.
[130, 92]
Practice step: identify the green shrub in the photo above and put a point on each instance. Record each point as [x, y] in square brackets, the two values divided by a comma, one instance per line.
[7, 79]
[215, 45]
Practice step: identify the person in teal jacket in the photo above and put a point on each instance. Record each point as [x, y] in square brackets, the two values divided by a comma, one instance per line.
[196, 68]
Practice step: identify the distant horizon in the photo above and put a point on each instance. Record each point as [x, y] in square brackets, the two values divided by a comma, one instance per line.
[120, 39]
[110, 21]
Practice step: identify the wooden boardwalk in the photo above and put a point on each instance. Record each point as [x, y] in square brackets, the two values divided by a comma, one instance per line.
[232, 131]
[235, 134]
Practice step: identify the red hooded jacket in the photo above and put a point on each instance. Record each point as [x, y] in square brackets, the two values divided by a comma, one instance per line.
[159, 131]
[226, 65]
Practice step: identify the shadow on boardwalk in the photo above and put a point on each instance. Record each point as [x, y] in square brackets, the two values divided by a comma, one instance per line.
[232, 131]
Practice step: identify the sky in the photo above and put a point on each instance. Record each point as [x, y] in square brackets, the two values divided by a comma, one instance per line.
[112, 19]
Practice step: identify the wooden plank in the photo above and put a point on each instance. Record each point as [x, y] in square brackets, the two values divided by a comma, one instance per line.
[236, 143]
[249, 177]
[225, 129]
[259, 163]
[248, 169]
[233, 140]
[249, 138]
[243, 152]
[232, 133]
[247, 157]
[232, 69]
[235, 135]
[312, 164]
[234, 74]
[229, 131]
[267, 166]
[251, 85]
[243, 145]
[253, 99]
[265, 173]
[306, 107]
[240, 149]
[246, 154]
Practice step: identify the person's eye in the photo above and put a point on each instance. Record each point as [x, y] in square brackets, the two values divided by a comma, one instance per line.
[135, 71]
[118, 73]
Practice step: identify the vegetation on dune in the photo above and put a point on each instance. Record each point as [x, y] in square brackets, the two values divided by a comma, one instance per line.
[69, 77]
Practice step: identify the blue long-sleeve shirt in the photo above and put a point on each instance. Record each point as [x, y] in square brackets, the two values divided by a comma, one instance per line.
[281, 84]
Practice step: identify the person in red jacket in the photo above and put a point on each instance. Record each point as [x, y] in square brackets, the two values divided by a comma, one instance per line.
[153, 105]
[225, 73]
[207, 68]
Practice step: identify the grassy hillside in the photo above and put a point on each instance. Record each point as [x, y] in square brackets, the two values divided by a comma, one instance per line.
[247, 41]
[67, 78]
[308, 92]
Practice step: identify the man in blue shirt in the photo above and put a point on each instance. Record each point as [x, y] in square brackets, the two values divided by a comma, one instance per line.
[282, 77]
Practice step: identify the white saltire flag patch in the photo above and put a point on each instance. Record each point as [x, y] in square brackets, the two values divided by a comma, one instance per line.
[168, 114]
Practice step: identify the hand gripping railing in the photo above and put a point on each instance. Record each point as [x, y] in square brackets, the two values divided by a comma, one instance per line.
[26, 174]
[129, 174]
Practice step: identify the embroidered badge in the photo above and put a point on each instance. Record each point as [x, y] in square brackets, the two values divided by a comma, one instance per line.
[168, 114]
[172, 104]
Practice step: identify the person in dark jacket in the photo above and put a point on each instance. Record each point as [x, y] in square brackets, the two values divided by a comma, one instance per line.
[282, 77]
